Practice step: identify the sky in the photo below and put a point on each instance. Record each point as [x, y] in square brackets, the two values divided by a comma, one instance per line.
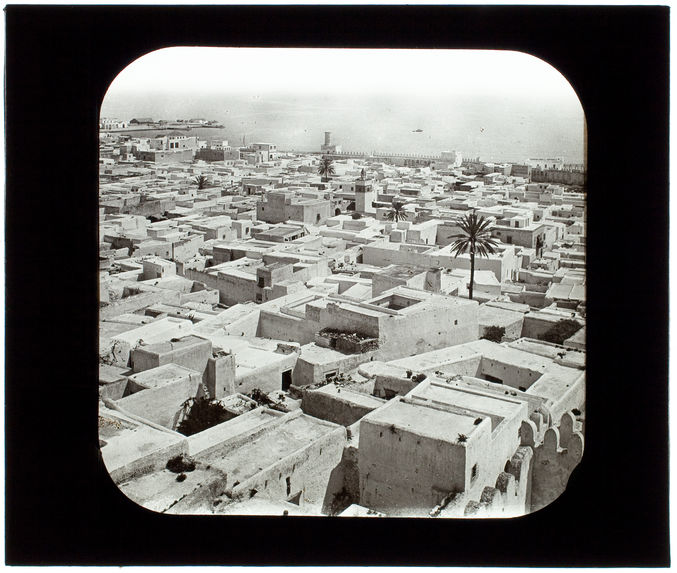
[487, 103]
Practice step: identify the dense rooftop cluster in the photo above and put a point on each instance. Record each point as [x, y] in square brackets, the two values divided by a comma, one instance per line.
[324, 352]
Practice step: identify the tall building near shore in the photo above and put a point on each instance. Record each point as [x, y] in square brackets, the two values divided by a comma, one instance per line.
[452, 157]
[328, 146]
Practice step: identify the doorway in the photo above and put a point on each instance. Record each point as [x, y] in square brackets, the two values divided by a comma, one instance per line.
[286, 380]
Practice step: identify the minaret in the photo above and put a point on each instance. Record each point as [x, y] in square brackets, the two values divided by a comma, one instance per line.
[364, 194]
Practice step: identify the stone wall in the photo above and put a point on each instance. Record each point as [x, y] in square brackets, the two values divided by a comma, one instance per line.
[234, 289]
[129, 304]
[308, 470]
[335, 407]
[161, 405]
[554, 460]
[511, 375]
[194, 356]
[266, 377]
[350, 320]
[307, 372]
[284, 327]
[435, 326]
[402, 472]
[510, 495]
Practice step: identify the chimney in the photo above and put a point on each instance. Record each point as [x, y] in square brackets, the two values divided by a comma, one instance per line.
[433, 280]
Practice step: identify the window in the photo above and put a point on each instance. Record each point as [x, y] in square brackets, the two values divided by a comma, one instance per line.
[474, 473]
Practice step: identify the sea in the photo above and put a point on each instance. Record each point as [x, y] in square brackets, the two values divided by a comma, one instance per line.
[490, 127]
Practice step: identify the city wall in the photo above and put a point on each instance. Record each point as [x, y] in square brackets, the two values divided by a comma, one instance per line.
[554, 460]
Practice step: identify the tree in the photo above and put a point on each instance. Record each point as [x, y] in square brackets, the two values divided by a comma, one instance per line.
[326, 168]
[397, 212]
[200, 181]
[494, 333]
[204, 413]
[539, 246]
[475, 238]
[560, 331]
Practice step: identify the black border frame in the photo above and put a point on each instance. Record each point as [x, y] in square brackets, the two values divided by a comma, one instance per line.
[61, 506]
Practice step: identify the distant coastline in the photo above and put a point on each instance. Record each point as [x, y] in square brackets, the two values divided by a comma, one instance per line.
[163, 128]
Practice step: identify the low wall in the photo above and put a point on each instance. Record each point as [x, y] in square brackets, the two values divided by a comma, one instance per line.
[268, 377]
[151, 462]
[306, 372]
[161, 405]
[285, 327]
[194, 356]
[334, 408]
[129, 304]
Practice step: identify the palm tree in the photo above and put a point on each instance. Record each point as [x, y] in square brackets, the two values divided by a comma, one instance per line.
[397, 212]
[326, 168]
[476, 237]
[200, 181]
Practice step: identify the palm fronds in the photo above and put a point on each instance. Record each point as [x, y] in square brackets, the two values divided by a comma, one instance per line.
[397, 212]
[326, 168]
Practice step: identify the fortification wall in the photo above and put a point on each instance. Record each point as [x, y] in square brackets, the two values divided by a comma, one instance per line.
[509, 497]
[554, 460]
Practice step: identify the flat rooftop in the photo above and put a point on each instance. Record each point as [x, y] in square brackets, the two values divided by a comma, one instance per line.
[423, 420]
[174, 344]
[163, 375]
[348, 395]
[249, 359]
[270, 447]
[486, 403]
[402, 271]
[217, 437]
[127, 440]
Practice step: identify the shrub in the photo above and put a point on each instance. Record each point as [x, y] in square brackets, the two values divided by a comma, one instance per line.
[494, 333]
[180, 464]
[203, 413]
[340, 501]
[560, 331]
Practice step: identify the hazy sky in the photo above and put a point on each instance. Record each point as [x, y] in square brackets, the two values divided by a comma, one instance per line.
[496, 104]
